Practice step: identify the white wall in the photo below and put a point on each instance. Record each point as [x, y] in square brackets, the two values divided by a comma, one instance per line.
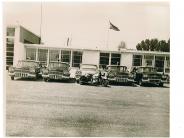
[91, 57]
[126, 59]
[19, 52]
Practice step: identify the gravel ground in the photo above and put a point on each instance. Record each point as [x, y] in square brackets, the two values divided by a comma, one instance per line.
[37, 108]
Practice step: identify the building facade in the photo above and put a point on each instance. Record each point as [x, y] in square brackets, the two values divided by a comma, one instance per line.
[101, 58]
[14, 36]
[25, 48]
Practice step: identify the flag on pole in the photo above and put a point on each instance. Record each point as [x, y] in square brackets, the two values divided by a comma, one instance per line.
[113, 27]
[68, 41]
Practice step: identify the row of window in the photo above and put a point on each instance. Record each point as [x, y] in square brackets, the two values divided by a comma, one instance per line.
[149, 61]
[55, 55]
[10, 32]
[105, 58]
[9, 48]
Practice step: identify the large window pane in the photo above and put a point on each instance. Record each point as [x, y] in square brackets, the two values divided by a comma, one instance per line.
[9, 49]
[30, 53]
[159, 63]
[10, 40]
[115, 59]
[65, 56]
[137, 60]
[104, 60]
[168, 62]
[77, 59]
[54, 55]
[42, 55]
[9, 54]
[148, 60]
[10, 32]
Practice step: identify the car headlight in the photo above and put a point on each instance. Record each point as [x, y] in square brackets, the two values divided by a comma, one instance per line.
[66, 73]
[11, 69]
[45, 71]
[131, 75]
[78, 72]
[111, 75]
[164, 77]
[145, 76]
[32, 70]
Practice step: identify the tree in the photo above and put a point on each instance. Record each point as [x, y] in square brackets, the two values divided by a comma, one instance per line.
[154, 45]
[139, 47]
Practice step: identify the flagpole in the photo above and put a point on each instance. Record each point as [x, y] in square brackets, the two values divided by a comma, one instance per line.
[107, 42]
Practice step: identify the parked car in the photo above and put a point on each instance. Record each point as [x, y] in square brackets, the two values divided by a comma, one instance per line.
[84, 74]
[119, 74]
[149, 75]
[56, 71]
[25, 69]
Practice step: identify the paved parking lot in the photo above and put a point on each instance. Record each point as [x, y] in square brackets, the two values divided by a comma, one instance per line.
[37, 108]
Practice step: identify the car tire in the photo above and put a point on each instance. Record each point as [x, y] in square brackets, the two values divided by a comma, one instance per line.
[80, 82]
[46, 79]
[161, 84]
[12, 77]
[77, 81]
[140, 83]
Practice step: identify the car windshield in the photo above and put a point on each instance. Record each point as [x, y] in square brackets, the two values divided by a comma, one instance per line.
[148, 69]
[88, 67]
[58, 66]
[118, 68]
[27, 64]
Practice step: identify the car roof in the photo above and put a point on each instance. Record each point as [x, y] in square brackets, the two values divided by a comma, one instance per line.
[28, 61]
[89, 64]
[116, 66]
[58, 62]
[145, 67]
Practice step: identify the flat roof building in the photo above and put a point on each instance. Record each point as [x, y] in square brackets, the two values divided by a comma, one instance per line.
[14, 36]
[26, 45]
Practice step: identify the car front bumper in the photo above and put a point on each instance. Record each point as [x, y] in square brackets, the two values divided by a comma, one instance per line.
[152, 81]
[22, 75]
[121, 80]
[56, 77]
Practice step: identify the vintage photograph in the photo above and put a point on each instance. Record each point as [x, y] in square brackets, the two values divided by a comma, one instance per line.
[87, 69]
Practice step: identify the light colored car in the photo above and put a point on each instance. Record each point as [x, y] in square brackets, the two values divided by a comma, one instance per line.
[85, 72]
[25, 69]
[56, 71]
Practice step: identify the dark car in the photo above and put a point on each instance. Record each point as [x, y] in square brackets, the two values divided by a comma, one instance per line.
[56, 71]
[25, 69]
[85, 73]
[119, 74]
[149, 75]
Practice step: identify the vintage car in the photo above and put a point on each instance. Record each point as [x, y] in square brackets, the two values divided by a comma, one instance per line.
[84, 74]
[25, 69]
[119, 74]
[149, 75]
[56, 71]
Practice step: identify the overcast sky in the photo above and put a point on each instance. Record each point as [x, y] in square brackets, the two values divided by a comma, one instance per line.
[87, 23]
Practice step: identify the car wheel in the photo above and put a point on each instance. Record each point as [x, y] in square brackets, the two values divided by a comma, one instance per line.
[140, 82]
[80, 82]
[161, 84]
[12, 77]
[77, 81]
[46, 79]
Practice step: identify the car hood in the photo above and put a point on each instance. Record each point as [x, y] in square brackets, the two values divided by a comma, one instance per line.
[88, 72]
[118, 73]
[22, 68]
